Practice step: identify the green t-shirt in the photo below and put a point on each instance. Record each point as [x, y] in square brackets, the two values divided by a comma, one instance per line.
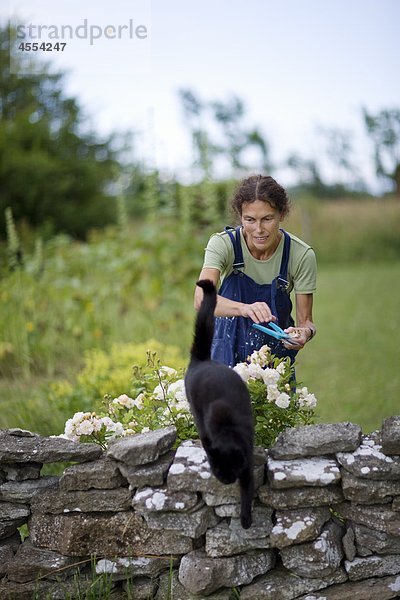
[302, 269]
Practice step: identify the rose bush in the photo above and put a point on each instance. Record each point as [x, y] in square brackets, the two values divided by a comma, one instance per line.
[160, 400]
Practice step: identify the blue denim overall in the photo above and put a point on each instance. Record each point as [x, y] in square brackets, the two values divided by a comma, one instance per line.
[234, 338]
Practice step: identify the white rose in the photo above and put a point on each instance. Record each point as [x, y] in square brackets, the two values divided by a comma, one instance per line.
[272, 392]
[168, 371]
[255, 371]
[283, 400]
[270, 376]
[85, 428]
[281, 368]
[242, 370]
[310, 401]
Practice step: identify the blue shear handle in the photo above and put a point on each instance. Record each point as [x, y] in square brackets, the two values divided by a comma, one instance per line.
[274, 334]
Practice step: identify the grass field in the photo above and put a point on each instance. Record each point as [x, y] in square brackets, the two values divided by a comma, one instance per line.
[353, 364]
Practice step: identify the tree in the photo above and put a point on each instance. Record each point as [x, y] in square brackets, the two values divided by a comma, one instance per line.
[384, 131]
[225, 135]
[51, 172]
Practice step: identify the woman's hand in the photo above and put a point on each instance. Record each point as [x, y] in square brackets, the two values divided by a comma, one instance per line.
[258, 312]
[300, 335]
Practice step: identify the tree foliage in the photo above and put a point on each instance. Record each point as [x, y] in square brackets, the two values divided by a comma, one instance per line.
[384, 131]
[52, 173]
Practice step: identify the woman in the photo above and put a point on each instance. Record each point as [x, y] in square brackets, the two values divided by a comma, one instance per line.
[258, 265]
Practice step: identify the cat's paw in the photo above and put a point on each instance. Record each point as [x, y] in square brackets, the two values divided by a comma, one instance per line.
[246, 520]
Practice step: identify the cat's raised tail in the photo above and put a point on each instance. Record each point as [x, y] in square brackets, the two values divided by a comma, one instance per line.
[204, 326]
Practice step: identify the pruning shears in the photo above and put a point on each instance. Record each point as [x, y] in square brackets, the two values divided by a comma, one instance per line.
[276, 332]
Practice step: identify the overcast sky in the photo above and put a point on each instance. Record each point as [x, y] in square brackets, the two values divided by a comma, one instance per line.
[296, 64]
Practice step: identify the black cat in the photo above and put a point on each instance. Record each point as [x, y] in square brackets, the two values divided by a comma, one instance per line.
[221, 408]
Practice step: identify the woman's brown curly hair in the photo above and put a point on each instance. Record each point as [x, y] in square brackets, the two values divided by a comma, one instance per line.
[259, 187]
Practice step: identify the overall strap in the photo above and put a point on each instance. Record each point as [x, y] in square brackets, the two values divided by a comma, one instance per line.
[237, 247]
[283, 271]
[281, 281]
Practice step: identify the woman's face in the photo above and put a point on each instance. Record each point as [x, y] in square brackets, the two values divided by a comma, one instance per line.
[260, 223]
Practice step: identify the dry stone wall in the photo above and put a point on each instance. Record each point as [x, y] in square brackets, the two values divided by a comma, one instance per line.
[326, 518]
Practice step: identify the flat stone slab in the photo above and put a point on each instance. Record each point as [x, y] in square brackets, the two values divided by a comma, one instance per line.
[378, 517]
[16, 447]
[229, 539]
[383, 588]
[55, 501]
[391, 435]
[161, 499]
[193, 524]
[30, 563]
[370, 541]
[12, 517]
[316, 440]
[366, 491]
[369, 461]
[169, 586]
[142, 448]
[318, 558]
[300, 497]
[297, 526]
[23, 491]
[120, 534]
[22, 471]
[281, 584]
[97, 474]
[301, 472]
[152, 474]
[372, 566]
[200, 574]
[141, 566]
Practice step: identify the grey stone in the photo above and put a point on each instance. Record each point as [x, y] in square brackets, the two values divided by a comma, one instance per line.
[142, 448]
[369, 461]
[297, 526]
[119, 534]
[383, 588]
[396, 503]
[141, 588]
[227, 540]
[372, 566]
[30, 563]
[12, 516]
[280, 584]
[299, 472]
[391, 435]
[221, 494]
[13, 541]
[141, 566]
[316, 440]
[200, 574]
[369, 541]
[366, 491]
[193, 524]
[16, 448]
[6, 555]
[153, 474]
[45, 589]
[23, 491]
[318, 558]
[300, 497]
[170, 587]
[378, 516]
[161, 499]
[54, 501]
[348, 542]
[22, 471]
[98, 474]
[228, 510]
